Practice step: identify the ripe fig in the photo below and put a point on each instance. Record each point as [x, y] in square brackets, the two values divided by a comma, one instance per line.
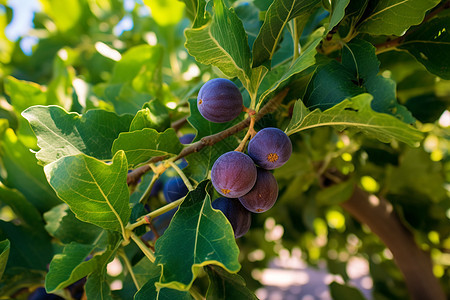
[233, 174]
[270, 148]
[174, 189]
[219, 100]
[237, 215]
[264, 193]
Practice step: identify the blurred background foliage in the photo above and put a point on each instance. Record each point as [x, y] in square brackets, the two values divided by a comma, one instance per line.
[117, 55]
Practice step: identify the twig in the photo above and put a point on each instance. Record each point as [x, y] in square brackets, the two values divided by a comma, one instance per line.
[181, 174]
[129, 267]
[271, 105]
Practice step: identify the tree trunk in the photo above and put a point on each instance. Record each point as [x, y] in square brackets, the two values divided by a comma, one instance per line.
[415, 264]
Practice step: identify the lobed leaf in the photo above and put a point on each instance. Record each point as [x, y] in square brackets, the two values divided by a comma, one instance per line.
[76, 262]
[96, 192]
[277, 16]
[222, 42]
[355, 113]
[197, 236]
[223, 285]
[60, 133]
[141, 145]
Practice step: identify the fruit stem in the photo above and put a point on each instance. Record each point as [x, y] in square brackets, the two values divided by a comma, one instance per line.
[129, 267]
[182, 175]
[250, 133]
[150, 255]
[149, 188]
[157, 212]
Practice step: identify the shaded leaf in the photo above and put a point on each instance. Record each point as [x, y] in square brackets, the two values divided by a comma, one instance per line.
[97, 287]
[63, 225]
[96, 192]
[149, 291]
[62, 134]
[357, 74]
[304, 61]
[152, 115]
[5, 246]
[279, 13]
[77, 261]
[387, 17]
[24, 174]
[125, 99]
[336, 193]
[337, 12]
[197, 236]
[141, 145]
[355, 113]
[339, 291]
[223, 285]
[222, 42]
[430, 45]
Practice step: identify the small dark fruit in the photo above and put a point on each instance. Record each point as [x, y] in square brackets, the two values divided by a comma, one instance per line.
[233, 174]
[219, 100]
[237, 215]
[187, 138]
[263, 195]
[174, 189]
[270, 148]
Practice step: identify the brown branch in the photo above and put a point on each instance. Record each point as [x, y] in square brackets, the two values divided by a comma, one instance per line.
[391, 44]
[134, 176]
[176, 125]
[415, 264]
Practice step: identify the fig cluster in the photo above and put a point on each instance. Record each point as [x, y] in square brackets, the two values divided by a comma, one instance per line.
[246, 180]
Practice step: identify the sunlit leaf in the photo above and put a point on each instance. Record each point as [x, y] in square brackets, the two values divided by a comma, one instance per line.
[355, 113]
[386, 17]
[96, 192]
[141, 145]
[61, 133]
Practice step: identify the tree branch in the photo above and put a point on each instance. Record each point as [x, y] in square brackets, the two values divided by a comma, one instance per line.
[415, 264]
[134, 176]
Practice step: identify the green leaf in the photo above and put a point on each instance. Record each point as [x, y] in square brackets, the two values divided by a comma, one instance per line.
[277, 16]
[357, 74]
[24, 174]
[5, 246]
[97, 286]
[197, 236]
[96, 192]
[125, 99]
[387, 17]
[340, 291]
[63, 225]
[223, 285]
[191, 8]
[62, 134]
[166, 12]
[355, 113]
[152, 115]
[136, 60]
[337, 12]
[141, 145]
[77, 261]
[336, 193]
[24, 93]
[149, 291]
[304, 61]
[65, 15]
[22, 208]
[430, 45]
[31, 247]
[222, 42]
